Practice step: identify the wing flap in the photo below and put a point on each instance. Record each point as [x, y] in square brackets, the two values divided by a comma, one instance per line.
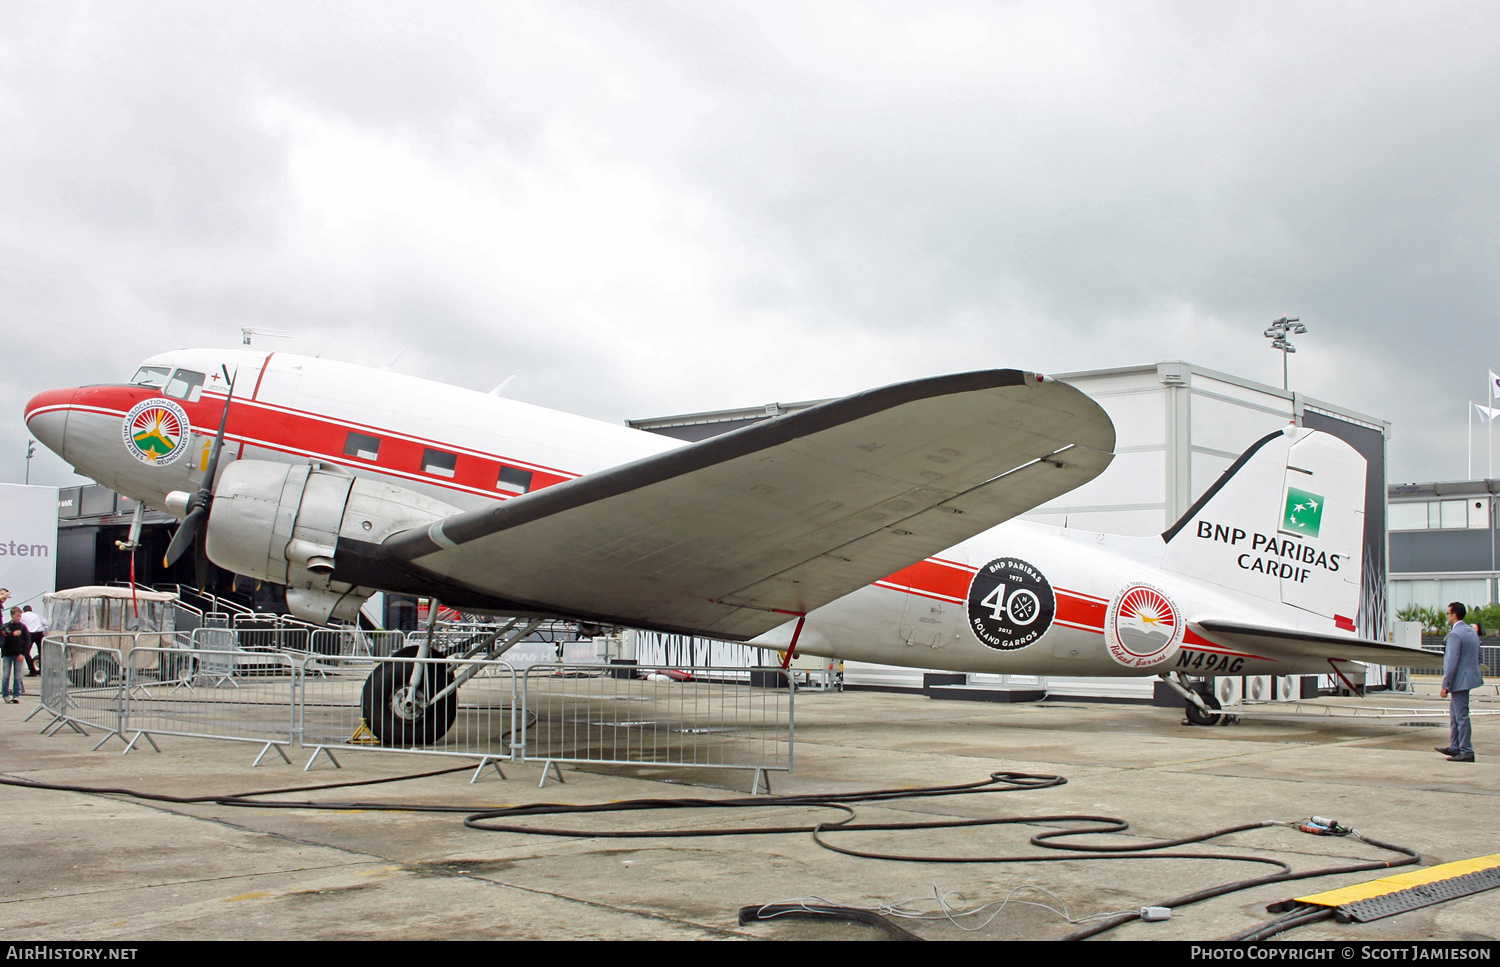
[1289, 643]
[782, 516]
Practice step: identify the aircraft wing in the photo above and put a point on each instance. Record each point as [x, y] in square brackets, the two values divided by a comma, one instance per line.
[1286, 643]
[729, 536]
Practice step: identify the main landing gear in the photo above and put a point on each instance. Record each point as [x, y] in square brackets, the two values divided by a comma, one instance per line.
[415, 702]
[403, 714]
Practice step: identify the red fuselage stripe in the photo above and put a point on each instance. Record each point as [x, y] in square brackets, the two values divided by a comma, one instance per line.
[948, 581]
[933, 579]
[256, 423]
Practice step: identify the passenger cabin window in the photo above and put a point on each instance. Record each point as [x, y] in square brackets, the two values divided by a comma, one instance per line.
[154, 376]
[364, 447]
[439, 463]
[514, 480]
[185, 385]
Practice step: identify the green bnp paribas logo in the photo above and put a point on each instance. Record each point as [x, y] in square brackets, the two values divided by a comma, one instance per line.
[1304, 512]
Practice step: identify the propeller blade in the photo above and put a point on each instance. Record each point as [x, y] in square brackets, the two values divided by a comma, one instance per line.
[183, 539]
[201, 563]
[198, 506]
[213, 454]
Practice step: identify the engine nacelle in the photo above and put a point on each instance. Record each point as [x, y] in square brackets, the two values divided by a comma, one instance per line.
[282, 522]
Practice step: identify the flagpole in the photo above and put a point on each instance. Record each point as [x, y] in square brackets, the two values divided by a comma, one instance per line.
[1494, 392]
[1469, 460]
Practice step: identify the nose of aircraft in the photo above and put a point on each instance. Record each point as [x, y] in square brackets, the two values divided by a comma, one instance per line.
[47, 417]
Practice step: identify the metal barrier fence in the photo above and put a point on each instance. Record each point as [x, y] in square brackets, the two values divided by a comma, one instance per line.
[347, 703]
[348, 642]
[54, 680]
[273, 638]
[585, 713]
[1489, 659]
[208, 693]
[87, 676]
[484, 709]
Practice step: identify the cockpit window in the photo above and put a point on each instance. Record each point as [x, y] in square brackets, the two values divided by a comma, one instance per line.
[185, 385]
[151, 376]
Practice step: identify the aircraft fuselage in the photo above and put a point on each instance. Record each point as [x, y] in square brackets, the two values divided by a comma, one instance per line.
[1022, 598]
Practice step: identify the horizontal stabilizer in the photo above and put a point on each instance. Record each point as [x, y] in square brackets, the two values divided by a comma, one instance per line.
[1289, 644]
[726, 536]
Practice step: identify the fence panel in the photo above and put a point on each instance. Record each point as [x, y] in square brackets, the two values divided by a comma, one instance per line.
[91, 669]
[349, 702]
[583, 713]
[1489, 658]
[255, 638]
[556, 712]
[54, 682]
[352, 642]
[247, 696]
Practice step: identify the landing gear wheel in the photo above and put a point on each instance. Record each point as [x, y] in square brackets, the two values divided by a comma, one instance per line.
[1197, 716]
[388, 716]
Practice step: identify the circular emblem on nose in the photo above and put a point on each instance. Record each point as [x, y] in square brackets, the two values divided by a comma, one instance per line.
[156, 431]
[1010, 604]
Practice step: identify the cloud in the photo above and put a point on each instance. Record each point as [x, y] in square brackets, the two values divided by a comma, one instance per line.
[666, 207]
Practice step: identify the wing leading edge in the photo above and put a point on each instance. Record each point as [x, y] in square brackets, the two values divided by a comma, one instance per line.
[727, 536]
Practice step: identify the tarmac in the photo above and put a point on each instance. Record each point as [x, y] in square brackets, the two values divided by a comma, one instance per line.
[101, 866]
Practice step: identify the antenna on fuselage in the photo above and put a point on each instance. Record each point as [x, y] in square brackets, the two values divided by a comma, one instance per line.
[247, 331]
[500, 390]
[392, 361]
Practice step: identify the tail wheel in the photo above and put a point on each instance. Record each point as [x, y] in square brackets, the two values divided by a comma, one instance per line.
[1195, 715]
[403, 720]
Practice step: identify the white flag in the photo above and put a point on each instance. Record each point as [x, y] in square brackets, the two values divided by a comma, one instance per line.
[1494, 386]
[1486, 413]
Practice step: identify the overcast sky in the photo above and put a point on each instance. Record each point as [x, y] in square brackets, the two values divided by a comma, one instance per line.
[642, 208]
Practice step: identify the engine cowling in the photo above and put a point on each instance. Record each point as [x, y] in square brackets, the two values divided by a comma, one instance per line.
[282, 523]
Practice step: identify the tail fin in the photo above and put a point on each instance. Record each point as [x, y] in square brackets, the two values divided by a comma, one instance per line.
[1284, 523]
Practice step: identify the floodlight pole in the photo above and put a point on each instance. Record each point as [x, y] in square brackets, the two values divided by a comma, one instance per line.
[1277, 333]
[30, 452]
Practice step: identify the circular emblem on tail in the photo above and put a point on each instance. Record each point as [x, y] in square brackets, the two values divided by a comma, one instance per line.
[156, 431]
[1142, 627]
[1010, 604]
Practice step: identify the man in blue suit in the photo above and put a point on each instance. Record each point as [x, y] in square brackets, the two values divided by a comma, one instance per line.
[1460, 673]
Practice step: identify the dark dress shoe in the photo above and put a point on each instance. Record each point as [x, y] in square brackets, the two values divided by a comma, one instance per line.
[1444, 750]
[1469, 757]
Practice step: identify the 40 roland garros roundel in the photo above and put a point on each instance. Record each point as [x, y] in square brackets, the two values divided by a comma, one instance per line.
[1010, 604]
[156, 431]
[1143, 627]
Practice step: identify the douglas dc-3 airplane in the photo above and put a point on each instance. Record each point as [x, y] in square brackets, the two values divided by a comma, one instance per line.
[876, 527]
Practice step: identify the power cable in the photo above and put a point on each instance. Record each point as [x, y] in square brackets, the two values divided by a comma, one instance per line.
[497, 819]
